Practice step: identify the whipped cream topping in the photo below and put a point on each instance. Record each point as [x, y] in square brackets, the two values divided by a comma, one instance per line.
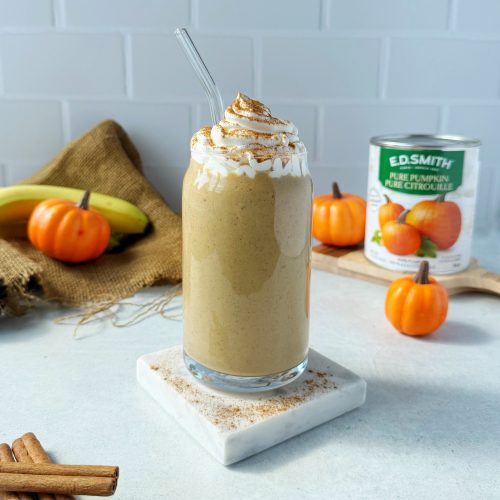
[248, 140]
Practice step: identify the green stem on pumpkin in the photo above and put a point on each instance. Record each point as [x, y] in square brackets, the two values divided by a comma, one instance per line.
[84, 202]
[422, 276]
[387, 199]
[402, 216]
[336, 191]
[440, 198]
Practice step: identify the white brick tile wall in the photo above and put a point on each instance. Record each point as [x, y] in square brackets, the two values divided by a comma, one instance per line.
[479, 16]
[341, 70]
[483, 122]
[485, 212]
[57, 64]
[391, 15]
[30, 131]
[160, 131]
[259, 14]
[168, 182]
[160, 69]
[349, 128]
[492, 217]
[25, 13]
[479, 121]
[16, 171]
[323, 177]
[318, 67]
[443, 69]
[150, 14]
[3, 179]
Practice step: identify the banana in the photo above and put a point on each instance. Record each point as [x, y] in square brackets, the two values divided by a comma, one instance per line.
[17, 203]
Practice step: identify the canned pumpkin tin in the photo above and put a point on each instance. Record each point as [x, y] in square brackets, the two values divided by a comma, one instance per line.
[421, 201]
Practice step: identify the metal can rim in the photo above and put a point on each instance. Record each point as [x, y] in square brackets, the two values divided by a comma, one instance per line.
[397, 141]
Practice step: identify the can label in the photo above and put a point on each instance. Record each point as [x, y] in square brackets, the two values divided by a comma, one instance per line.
[424, 172]
[421, 205]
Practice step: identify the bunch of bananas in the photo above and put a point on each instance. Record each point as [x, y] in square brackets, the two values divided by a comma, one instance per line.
[17, 203]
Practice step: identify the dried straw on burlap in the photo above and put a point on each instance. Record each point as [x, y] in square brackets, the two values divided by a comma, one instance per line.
[103, 160]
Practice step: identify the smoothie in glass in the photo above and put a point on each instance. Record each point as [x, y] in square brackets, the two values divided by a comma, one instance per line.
[246, 251]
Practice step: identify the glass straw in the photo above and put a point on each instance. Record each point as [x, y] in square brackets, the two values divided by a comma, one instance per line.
[208, 83]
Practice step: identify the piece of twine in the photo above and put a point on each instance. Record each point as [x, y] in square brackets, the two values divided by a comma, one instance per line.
[110, 310]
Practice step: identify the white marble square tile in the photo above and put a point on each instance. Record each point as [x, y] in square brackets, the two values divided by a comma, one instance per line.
[234, 426]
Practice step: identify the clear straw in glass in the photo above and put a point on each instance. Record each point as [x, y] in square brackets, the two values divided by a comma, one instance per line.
[201, 70]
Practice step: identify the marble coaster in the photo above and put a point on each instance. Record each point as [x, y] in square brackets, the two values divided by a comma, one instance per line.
[234, 426]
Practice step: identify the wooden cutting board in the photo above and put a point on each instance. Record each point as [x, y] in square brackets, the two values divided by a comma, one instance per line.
[353, 263]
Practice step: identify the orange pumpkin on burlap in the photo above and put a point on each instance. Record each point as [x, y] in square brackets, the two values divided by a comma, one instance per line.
[439, 220]
[417, 305]
[400, 238]
[339, 218]
[67, 231]
[389, 211]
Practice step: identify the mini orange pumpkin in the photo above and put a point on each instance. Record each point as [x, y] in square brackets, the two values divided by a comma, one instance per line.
[417, 305]
[438, 219]
[400, 238]
[339, 218]
[68, 232]
[389, 211]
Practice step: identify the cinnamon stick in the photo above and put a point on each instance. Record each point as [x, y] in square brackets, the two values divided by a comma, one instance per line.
[53, 481]
[27, 449]
[74, 485]
[7, 457]
[60, 469]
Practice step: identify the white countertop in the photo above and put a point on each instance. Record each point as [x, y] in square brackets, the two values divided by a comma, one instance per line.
[430, 427]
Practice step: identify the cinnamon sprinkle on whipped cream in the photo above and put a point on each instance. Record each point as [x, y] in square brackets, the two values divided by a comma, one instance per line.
[250, 139]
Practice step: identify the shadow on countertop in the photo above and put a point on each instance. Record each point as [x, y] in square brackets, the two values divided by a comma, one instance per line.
[398, 419]
[456, 332]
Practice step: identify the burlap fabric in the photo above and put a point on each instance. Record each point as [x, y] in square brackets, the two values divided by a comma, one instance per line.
[103, 160]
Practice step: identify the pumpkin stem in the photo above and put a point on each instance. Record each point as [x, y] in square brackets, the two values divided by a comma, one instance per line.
[387, 199]
[84, 202]
[422, 276]
[336, 191]
[402, 216]
[440, 198]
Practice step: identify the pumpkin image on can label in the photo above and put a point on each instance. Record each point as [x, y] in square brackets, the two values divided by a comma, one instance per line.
[421, 201]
